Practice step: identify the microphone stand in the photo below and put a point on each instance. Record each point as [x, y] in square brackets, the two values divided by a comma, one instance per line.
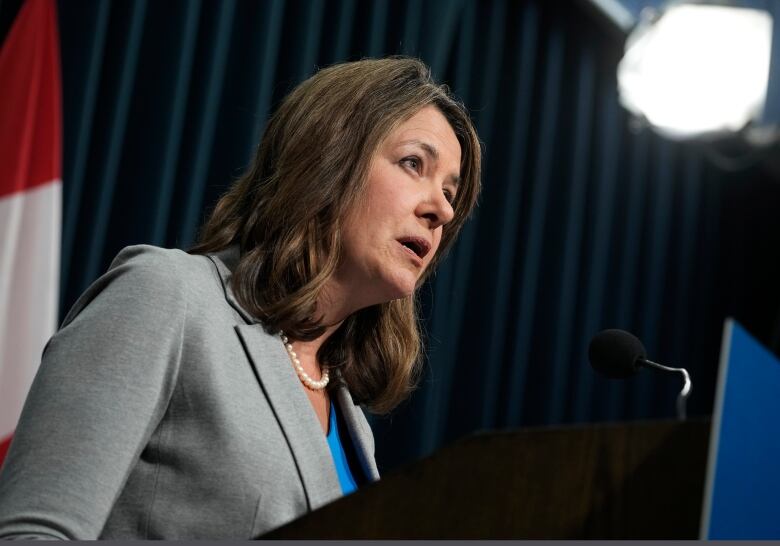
[686, 390]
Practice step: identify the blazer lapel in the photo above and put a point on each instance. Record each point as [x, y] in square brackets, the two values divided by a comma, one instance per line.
[294, 414]
[285, 394]
[361, 437]
[226, 261]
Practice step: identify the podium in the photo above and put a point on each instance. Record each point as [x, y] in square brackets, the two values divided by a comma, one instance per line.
[641, 480]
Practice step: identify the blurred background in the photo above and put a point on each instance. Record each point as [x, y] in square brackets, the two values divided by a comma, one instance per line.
[589, 218]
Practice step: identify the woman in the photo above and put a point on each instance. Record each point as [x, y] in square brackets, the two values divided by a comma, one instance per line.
[212, 394]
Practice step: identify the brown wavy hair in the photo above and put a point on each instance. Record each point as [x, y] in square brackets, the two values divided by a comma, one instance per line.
[285, 213]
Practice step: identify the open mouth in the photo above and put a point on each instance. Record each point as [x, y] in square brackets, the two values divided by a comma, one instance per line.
[420, 247]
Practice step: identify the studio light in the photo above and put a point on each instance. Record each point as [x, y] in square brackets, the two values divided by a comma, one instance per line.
[697, 69]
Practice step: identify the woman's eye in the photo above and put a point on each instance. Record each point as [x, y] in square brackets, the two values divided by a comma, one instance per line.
[449, 196]
[413, 163]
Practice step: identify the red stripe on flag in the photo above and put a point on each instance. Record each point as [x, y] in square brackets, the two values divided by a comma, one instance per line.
[30, 118]
[5, 443]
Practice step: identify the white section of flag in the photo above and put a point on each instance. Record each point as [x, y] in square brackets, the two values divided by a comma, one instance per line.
[29, 290]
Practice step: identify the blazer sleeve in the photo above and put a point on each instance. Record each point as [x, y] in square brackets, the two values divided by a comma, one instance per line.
[103, 386]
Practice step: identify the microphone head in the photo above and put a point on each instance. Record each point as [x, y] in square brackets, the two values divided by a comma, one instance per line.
[616, 353]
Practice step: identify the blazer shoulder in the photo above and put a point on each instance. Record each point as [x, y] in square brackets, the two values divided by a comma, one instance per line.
[148, 273]
[170, 262]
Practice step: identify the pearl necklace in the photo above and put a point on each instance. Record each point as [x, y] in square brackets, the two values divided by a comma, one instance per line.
[302, 375]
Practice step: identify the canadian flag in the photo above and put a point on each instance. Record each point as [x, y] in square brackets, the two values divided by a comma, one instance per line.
[30, 202]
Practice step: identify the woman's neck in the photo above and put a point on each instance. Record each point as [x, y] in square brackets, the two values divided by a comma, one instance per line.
[307, 350]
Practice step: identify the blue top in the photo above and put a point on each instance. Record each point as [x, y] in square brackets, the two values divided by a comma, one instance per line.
[343, 470]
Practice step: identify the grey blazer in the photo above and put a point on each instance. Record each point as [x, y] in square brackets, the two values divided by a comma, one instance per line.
[162, 409]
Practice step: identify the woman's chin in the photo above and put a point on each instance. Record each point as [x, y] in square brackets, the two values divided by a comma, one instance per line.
[399, 286]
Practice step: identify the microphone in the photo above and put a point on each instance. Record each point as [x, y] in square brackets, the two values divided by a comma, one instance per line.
[619, 354]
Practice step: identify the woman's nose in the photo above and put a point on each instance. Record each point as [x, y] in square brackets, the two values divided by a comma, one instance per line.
[437, 209]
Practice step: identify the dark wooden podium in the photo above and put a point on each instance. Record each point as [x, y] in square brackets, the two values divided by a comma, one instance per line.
[635, 480]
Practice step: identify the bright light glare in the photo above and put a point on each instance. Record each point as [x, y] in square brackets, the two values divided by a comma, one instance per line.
[699, 69]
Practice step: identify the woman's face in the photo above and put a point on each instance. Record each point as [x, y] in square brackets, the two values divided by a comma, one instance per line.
[394, 231]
